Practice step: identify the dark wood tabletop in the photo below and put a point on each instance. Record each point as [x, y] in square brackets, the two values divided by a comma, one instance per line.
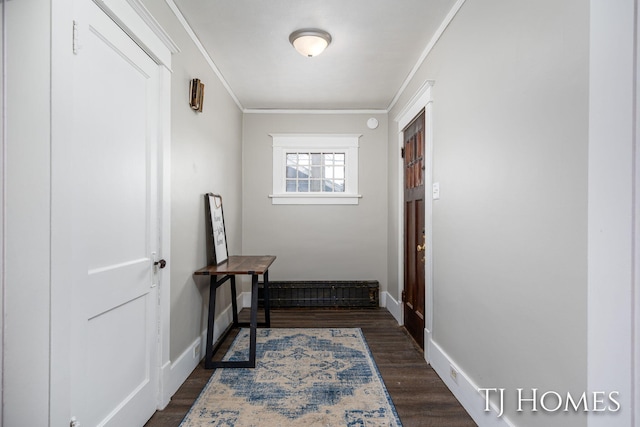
[239, 264]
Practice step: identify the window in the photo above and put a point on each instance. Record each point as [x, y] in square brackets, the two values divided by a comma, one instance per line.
[315, 172]
[315, 169]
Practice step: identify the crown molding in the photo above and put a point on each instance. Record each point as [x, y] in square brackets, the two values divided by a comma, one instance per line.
[203, 51]
[309, 111]
[427, 50]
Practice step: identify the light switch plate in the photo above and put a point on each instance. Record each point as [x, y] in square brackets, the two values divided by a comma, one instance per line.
[436, 191]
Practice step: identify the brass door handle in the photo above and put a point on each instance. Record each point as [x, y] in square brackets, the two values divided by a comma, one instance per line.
[422, 247]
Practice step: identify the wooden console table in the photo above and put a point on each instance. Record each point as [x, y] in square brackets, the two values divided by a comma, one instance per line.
[228, 270]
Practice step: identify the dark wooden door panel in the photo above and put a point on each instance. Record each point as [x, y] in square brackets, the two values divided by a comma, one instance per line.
[414, 231]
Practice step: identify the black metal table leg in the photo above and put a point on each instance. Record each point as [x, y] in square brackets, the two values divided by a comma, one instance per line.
[251, 363]
[267, 305]
[211, 321]
[254, 320]
[234, 301]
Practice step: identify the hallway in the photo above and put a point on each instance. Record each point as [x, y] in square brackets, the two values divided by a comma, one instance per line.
[420, 397]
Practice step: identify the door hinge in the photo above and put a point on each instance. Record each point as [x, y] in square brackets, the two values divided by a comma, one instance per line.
[402, 152]
[76, 45]
[404, 296]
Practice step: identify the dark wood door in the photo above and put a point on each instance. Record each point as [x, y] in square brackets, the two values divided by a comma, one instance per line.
[414, 232]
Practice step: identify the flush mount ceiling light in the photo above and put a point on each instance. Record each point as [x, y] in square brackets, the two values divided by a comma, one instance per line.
[310, 42]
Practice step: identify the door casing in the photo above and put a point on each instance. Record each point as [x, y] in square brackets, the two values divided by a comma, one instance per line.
[421, 100]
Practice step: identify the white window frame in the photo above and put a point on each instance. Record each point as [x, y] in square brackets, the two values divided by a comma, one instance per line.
[295, 143]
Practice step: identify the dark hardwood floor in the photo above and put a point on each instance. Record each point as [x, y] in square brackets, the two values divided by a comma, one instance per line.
[420, 397]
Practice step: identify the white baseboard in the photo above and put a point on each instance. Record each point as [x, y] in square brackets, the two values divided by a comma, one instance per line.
[383, 299]
[394, 307]
[428, 345]
[175, 374]
[464, 389]
[245, 297]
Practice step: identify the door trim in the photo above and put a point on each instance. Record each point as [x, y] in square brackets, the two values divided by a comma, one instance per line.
[134, 19]
[421, 100]
[612, 211]
[3, 103]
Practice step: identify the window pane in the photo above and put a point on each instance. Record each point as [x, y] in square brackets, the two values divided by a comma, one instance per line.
[315, 172]
[303, 172]
[304, 159]
[328, 158]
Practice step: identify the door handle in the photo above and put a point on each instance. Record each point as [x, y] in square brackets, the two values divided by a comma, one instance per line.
[162, 263]
[422, 247]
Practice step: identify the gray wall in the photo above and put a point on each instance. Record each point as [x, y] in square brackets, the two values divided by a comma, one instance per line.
[510, 120]
[317, 242]
[205, 157]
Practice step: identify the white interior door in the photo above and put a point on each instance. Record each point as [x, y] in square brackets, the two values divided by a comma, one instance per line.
[114, 369]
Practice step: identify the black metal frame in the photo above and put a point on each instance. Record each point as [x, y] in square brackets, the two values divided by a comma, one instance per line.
[253, 324]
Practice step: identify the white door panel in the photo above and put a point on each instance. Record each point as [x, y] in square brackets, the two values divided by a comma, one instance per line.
[128, 363]
[120, 284]
[114, 378]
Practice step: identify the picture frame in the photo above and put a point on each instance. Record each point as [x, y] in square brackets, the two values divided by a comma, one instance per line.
[217, 251]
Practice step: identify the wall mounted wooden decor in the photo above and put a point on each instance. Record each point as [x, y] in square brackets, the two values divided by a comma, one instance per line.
[196, 95]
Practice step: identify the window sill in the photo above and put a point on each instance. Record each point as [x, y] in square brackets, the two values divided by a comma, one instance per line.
[314, 199]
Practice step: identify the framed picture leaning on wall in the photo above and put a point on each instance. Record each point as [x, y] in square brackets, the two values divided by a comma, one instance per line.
[216, 234]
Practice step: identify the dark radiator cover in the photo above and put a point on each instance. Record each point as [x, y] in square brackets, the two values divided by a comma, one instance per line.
[323, 294]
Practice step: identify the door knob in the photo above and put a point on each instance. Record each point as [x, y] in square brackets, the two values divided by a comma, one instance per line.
[162, 263]
[424, 243]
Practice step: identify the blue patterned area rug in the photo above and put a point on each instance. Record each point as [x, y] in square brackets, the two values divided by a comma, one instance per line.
[303, 377]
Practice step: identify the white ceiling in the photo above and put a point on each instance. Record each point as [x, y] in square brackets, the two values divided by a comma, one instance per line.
[376, 44]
